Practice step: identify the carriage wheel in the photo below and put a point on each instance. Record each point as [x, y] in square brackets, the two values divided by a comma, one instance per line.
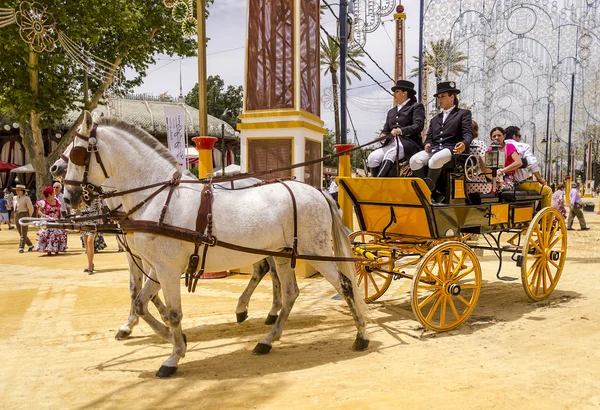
[544, 253]
[446, 286]
[371, 277]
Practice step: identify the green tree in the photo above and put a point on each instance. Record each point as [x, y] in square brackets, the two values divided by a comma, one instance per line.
[330, 63]
[443, 59]
[225, 104]
[39, 88]
[328, 143]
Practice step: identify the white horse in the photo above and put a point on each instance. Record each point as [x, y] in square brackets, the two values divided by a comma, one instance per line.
[262, 218]
[135, 263]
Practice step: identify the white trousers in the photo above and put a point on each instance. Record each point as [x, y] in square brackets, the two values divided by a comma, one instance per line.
[432, 160]
[388, 152]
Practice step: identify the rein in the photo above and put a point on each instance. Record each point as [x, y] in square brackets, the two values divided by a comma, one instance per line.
[203, 233]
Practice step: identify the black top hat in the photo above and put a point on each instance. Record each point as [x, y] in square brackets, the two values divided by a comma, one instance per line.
[446, 86]
[406, 86]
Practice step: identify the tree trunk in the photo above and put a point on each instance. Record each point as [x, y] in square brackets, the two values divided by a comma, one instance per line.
[32, 135]
[336, 107]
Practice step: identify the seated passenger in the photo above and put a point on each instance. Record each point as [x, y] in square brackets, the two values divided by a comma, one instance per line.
[522, 177]
[512, 162]
[451, 131]
[479, 183]
[404, 123]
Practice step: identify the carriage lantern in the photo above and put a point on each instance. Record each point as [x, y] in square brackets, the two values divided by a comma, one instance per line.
[495, 157]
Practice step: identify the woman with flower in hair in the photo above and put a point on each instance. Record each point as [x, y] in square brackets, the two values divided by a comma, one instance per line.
[50, 240]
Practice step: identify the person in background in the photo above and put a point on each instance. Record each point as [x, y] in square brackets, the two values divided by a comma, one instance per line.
[576, 209]
[513, 159]
[558, 200]
[90, 238]
[513, 136]
[65, 209]
[478, 148]
[50, 240]
[403, 126]
[9, 206]
[333, 189]
[3, 210]
[23, 208]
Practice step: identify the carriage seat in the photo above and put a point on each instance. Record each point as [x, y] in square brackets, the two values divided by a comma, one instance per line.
[516, 195]
[400, 169]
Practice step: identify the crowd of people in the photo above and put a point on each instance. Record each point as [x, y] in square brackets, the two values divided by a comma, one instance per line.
[51, 206]
[453, 135]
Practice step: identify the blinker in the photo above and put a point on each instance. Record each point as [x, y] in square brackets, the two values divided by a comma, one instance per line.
[79, 156]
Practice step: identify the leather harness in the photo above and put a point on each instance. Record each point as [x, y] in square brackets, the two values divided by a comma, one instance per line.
[203, 233]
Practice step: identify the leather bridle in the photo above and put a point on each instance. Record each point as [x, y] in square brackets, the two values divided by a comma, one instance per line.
[81, 156]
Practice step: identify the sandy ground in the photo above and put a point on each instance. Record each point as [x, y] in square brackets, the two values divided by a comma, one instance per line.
[57, 345]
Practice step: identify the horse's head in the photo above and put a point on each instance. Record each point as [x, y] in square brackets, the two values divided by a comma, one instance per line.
[85, 171]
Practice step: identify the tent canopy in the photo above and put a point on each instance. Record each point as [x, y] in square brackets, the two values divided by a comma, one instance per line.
[7, 166]
[25, 169]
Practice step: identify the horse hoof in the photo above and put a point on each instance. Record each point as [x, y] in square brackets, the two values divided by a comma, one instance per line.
[261, 349]
[270, 319]
[165, 372]
[240, 317]
[360, 344]
[123, 334]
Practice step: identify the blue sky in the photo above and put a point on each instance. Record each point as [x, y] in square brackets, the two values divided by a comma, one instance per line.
[226, 28]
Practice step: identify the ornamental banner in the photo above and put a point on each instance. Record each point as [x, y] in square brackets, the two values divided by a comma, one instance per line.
[175, 118]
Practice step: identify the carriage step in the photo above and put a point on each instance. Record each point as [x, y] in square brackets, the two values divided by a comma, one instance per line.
[520, 261]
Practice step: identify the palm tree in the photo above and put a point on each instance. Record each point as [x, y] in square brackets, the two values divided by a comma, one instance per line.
[443, 59]
[330, 62]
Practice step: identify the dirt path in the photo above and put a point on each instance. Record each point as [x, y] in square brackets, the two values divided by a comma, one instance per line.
[58, 350]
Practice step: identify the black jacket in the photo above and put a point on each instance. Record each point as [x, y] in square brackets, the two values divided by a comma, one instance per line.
[411, 120]
[457, 128]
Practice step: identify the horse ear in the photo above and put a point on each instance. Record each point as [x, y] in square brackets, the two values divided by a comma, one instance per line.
[87, 121]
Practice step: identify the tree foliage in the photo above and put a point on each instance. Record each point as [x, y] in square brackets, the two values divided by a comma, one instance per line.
[443, 59]
[126, 33]
[330, 63]
[225, 104]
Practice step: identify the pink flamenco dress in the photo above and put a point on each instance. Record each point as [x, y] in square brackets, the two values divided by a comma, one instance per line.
[50, 240]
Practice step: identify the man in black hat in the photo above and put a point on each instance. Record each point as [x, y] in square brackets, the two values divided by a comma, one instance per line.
[450, 132]
[403, 124]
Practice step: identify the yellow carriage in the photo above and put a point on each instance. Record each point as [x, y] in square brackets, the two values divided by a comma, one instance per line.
[404, 235]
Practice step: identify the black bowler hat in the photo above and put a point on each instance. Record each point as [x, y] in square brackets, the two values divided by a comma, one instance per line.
[405, 85]
[446, 87]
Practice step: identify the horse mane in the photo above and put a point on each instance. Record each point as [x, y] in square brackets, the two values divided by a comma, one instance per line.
[140, 134]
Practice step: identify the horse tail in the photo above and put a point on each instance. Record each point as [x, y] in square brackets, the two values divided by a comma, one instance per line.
[342, 248]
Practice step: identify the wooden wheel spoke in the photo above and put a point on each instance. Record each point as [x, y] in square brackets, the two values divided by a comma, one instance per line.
[374, 283]
[555, 241]
[440, 264]
[431, 275]
[463, 300]
[450, 264]
[556, 265]
[429, 298]
[464, 274]
[443, 312]
[553, 232]
[453, 309]
[435, 306]
[544, 274]
[535, 244]
[471, 286]
[539, 278]
[459, 265]
[535, 264]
